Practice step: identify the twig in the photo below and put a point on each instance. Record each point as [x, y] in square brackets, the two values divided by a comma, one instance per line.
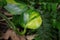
[4, 19]
[7, 14]
[2, 23]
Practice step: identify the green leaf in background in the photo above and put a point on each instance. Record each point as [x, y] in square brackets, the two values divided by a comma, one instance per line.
[50, 1]
[58, 20]
[2, 3]
[54, 6]
[11, 2]
[15, 9]
[48, 6]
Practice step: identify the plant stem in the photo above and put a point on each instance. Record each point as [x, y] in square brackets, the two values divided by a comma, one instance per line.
[11, 25]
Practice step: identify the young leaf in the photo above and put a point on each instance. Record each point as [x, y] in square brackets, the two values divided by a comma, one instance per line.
[30, 19]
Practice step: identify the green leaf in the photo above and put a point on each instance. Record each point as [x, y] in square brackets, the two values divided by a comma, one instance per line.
[50, 1]
[54, 6]
[11, 2]
[2, 3]
[30, 19]
[16, 9]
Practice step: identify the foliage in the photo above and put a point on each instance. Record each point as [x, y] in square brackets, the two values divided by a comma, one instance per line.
[50, 27]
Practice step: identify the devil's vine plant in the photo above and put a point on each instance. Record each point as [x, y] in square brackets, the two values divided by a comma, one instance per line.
[50, 28]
